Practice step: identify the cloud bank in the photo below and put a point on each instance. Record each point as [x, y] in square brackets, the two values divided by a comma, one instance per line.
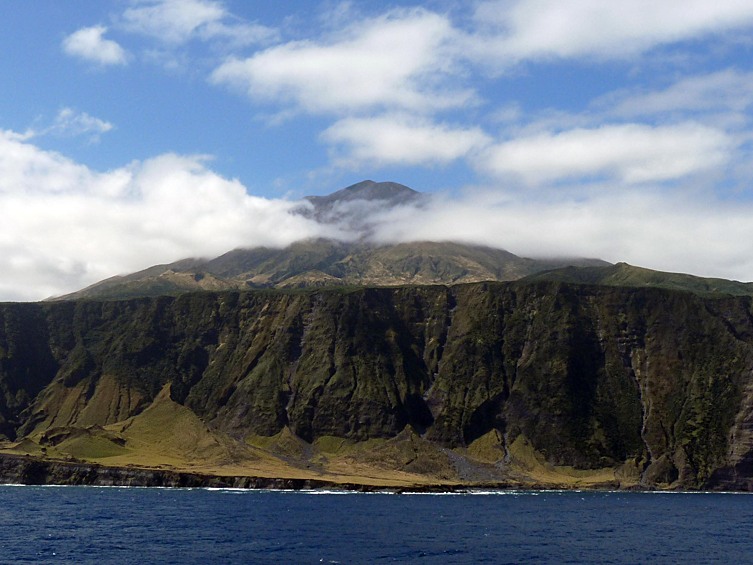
[647, 228]
[65, 226]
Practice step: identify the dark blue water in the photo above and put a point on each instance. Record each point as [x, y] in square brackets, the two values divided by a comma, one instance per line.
[112, 525]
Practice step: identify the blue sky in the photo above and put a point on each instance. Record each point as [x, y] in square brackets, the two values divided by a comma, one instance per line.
[137, 132]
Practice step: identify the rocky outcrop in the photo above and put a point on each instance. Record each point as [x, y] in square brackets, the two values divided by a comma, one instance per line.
[590, 376]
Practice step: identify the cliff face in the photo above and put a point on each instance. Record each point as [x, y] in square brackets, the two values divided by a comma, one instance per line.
[589, 377]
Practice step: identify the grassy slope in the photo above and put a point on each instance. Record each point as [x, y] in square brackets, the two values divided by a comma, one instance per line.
[321, 262]
[624, 275]
[169, 436]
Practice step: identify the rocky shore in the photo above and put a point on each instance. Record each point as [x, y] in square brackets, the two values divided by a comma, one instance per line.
[27, 470]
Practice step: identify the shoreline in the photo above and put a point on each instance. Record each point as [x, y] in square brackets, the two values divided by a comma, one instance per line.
[26, 470]
[31, 471]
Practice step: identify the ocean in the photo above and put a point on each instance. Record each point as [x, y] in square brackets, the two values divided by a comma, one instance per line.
[149, 525]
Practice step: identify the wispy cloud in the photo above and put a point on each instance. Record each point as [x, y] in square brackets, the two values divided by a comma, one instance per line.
[172, 21]
[727, 90]
[395, 77]
[71, 123]
[90, 44]
[178, 21]
[67, 123]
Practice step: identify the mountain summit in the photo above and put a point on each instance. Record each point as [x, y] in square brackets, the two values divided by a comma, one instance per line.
[392, 192]
[352, 206]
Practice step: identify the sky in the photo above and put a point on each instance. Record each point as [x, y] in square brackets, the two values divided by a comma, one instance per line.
[139, 132]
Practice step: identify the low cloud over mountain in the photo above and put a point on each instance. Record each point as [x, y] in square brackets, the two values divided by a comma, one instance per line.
[66, 226]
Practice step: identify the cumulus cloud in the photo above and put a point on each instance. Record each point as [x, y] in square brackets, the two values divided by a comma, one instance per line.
[518, 30]
[65, 226]
[178, 21]
[629, 153]
[89, 44]
[172, 20]
[401, 140]
[396, 61]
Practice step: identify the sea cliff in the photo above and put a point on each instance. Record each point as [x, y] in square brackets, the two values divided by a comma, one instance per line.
[538, 383]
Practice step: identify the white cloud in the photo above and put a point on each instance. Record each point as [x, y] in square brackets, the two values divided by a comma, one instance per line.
[629, 153]
[401, 140]
[89, 44]
[386, 83]
[65, 226]
[516, 30]
[178, 21]
[399, 60]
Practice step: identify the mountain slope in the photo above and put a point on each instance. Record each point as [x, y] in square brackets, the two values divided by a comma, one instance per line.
[322, 262]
